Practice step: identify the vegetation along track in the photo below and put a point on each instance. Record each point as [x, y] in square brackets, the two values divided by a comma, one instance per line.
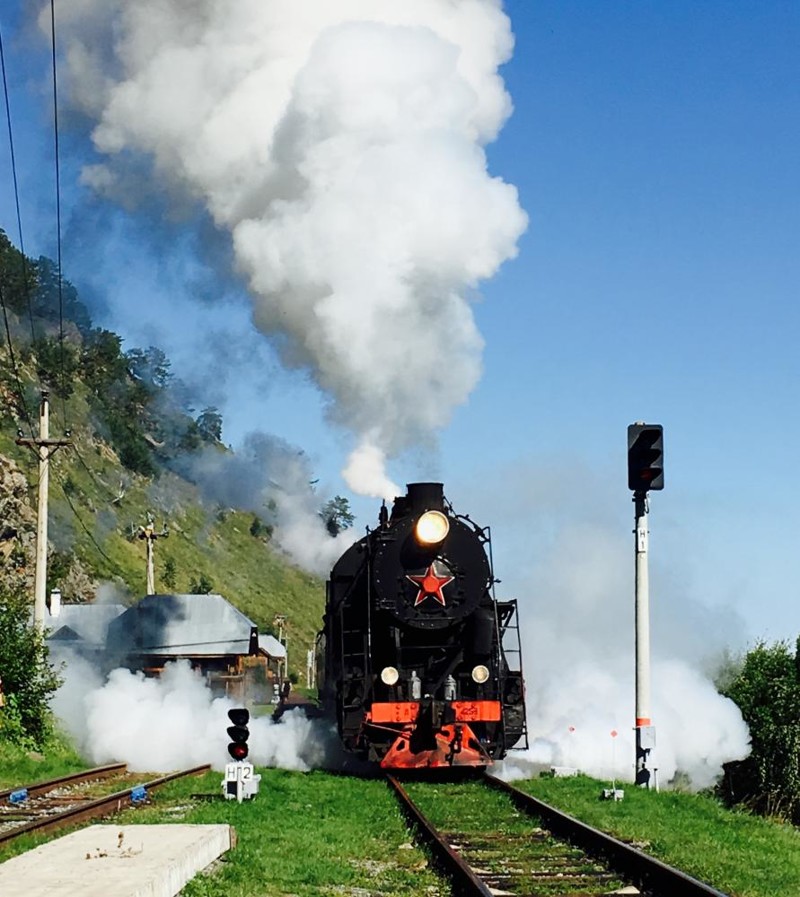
[72, 799]
[493, 839]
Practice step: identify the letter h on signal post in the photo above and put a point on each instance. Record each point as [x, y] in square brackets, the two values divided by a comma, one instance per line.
[645, 472]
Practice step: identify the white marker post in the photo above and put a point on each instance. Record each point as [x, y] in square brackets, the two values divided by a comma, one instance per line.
[645, 732]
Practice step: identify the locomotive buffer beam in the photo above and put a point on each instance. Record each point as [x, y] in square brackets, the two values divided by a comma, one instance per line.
[435, 739]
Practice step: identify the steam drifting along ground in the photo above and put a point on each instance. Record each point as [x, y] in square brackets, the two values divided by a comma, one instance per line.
[174, 722]
[570, 564]
[341, 148]
[572, 573]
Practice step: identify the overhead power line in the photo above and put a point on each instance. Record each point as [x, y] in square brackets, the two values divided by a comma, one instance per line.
[25, 279]
[58, 212]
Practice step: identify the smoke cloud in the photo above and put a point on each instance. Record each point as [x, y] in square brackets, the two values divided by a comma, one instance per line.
[174, 722]
[341, 148]
[570, 565]
[274, 480]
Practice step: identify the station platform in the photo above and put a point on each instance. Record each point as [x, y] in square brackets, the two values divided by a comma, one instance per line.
[116, 861]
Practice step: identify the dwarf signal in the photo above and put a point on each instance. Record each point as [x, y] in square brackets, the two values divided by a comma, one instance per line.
[240, 781]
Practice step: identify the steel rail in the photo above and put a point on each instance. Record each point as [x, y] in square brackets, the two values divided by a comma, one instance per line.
[103, 806]
[75, 778]
[466, 881]
[626, 860]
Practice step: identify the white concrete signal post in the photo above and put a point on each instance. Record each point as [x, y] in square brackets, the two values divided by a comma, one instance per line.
[645, 472]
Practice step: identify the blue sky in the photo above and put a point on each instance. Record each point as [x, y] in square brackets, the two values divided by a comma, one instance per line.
[655, 149]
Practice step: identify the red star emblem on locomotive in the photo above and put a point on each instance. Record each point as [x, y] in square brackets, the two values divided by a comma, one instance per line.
[430, 585]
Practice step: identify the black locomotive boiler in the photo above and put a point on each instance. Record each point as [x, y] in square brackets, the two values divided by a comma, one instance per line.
[420, 665]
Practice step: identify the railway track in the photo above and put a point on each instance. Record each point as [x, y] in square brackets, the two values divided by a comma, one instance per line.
[68, 800]
[74, 778]
[493, 839]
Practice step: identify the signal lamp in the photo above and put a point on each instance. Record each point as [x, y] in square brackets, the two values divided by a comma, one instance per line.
[389, 675]
[645, 457]
[432, 528]
[238, 733]
[480, 674]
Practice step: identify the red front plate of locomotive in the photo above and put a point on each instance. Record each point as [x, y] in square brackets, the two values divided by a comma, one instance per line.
[455, 743]
[406, 711]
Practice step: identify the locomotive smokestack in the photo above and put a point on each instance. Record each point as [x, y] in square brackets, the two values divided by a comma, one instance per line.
[425, 497]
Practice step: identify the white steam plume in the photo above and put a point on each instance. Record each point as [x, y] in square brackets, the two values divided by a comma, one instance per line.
[570, 564]
[174, 722]
[272, 479]
[341, 146]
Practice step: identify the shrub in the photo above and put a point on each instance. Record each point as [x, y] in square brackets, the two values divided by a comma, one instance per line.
[28, 677]
[201, 586]
[767, 691]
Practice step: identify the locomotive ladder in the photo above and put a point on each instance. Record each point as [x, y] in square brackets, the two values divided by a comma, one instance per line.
[508, 622]
[351, 658]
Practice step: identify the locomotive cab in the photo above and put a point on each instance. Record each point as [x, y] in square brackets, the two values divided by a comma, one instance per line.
[417, 669]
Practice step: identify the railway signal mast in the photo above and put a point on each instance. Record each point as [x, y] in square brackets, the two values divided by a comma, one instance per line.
[645, 472]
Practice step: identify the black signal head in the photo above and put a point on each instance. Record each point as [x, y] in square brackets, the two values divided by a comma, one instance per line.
[239, 716]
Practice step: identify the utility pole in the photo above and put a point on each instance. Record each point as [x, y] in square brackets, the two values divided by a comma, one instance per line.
[280, 621]
[311, 668]
[148, 533]
[44, 447]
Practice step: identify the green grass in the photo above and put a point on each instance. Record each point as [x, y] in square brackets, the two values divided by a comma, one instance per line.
[734, 852]
[309, 834]
[305, 834]
[22, 767]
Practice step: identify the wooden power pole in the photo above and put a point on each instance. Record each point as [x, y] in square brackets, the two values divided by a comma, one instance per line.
[148, 532]
[44, 448]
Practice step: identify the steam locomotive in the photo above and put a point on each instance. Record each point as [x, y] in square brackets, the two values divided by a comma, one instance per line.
[420, 665]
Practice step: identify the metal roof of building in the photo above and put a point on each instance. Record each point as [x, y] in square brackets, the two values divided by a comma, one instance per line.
[86, 623]
[272, 646]
[183, 625]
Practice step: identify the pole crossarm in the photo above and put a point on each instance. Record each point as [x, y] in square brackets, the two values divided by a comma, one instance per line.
[46, 443]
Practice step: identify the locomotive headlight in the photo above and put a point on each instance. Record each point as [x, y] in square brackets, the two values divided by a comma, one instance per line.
[389, 675]
[480, 674]
[432, 528]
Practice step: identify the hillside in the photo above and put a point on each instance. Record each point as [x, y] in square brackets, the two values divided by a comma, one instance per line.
[132, 434]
